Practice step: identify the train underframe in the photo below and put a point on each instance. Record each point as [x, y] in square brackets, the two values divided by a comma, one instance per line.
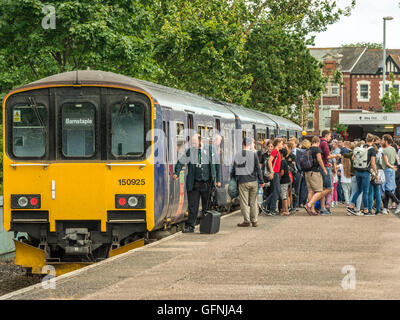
[74, 243]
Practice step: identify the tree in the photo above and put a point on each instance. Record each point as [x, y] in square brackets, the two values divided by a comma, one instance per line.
[369, 45]
[391, 97]
[88, 34]
[250, 52]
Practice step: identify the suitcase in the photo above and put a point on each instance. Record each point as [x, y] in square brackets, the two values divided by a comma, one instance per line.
[210, 223]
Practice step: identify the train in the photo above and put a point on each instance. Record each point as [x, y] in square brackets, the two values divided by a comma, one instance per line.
[88, 158]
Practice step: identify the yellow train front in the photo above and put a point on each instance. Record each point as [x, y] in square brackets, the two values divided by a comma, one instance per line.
[78, 169]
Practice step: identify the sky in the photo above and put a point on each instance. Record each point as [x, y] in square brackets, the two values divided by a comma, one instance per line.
[365, 24]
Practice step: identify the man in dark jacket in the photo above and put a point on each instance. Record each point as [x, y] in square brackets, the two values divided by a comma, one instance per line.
[247, 171]
[203, 170]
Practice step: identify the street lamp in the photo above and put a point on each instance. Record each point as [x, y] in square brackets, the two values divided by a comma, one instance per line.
[384, 55]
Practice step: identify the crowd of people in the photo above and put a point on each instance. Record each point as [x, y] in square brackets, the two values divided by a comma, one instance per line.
[316, 175]
[320, 174]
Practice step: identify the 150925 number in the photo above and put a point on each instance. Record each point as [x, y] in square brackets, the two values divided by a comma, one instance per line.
[132, 182]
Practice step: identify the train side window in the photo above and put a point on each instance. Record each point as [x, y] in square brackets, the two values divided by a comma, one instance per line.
[29, 131]
[205, 132]
[128, 129]
[180, 139]
[166, 140]
[78, 129]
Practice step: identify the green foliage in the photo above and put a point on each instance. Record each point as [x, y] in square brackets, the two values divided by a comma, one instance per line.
[250, 52]
[391, 97]
[369, 45]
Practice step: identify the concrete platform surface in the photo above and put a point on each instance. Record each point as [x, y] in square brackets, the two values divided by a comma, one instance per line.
[296, 257]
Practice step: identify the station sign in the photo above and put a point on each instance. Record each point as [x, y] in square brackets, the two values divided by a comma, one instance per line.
[358, 118]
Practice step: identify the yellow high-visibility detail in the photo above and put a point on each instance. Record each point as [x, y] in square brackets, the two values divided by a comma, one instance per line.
[133, 245]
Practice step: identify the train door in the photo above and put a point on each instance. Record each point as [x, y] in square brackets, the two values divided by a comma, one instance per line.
[168, 168]
[178, 144]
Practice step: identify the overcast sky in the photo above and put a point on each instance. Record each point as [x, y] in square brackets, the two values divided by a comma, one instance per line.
[364, 25]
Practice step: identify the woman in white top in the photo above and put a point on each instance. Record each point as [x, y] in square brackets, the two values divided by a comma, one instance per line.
[345, 173]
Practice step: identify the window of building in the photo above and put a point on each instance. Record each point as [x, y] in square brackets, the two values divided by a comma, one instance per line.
[29, 131]
[78, 129]
[335, 89]
[363, 90]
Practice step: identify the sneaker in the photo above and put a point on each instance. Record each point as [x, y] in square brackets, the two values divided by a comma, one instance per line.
[351, 210]
[332, 204]
[378, 213]
[254, 224]
[359, 213]
[324, 212]
[369, 214]
[384, 211]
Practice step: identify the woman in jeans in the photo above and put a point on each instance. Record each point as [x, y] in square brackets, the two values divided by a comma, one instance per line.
[363, 178]
[389, 155]
[375, 186]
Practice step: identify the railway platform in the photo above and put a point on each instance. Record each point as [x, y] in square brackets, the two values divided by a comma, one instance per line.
[295, 257]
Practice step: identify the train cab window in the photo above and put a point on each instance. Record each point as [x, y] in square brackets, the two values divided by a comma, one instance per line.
[29, 131]
[128, 129]
[78, 129]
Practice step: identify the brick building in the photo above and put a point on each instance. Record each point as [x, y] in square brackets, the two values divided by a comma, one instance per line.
[357, 102]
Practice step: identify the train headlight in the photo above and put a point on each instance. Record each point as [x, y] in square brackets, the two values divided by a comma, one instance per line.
[23, 201]
[130, 201]
[133, 201]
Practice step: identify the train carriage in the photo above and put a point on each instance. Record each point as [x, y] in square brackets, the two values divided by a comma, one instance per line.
[88, 160]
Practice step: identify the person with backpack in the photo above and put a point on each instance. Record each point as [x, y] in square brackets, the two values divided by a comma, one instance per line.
[273, 169]
[303, 193]
[364, 164]
[389, 156]
[247, 171]
[311, 164]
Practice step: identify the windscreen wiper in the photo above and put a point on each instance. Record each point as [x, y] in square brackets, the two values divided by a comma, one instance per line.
[121, 108]
[33, 105]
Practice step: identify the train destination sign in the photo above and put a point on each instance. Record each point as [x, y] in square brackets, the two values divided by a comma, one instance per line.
[79, 122]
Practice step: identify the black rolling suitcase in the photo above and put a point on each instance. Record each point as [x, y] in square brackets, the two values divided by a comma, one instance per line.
[210, 222]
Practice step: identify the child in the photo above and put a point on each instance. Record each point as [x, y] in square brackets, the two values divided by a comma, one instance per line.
[345, 173]
[335, 184]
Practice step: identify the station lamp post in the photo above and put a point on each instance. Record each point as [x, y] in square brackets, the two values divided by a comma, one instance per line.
[384, 55]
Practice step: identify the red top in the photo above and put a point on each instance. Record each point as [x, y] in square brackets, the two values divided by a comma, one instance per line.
[277, 166]
[325, 152]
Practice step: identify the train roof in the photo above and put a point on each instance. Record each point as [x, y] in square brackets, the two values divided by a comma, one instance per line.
[165, 96]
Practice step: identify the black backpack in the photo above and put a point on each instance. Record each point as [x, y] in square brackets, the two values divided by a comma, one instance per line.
[306, 161]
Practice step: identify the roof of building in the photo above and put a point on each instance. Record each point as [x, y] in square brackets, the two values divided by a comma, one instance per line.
[371, 60]
[357, 60]
[348, 59]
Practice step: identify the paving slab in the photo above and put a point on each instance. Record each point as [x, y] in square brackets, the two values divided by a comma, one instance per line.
[295, 257]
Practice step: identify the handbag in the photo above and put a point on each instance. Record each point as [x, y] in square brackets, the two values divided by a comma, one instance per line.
[233, 189]
[267, 173]
[381, 177]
